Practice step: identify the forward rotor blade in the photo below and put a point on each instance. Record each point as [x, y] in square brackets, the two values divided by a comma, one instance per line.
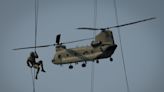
[42, 46]
[132, 23]
[78, 40]
[58, 38]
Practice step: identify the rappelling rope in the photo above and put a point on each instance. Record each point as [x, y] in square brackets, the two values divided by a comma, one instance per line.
[122, 54]
[36, 28]
[33, 80]
[95, 17]
[94, 33]
[36, 20]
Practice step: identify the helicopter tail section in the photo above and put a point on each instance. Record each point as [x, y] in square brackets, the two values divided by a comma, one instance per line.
[108, 51]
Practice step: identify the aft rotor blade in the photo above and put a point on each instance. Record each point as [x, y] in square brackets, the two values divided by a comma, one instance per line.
[87, 28]
[42, 46]
[132, 23]
[77, 40]
[94, 29]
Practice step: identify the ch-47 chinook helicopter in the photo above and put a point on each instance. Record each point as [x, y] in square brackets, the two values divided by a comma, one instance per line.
[103, 46]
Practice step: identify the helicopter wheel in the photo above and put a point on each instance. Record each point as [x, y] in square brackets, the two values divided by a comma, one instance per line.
[83, 65]
[97, 61]
[111, 59]
[70, 66]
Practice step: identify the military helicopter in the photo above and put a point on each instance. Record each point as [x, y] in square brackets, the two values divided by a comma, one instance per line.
[103, 46]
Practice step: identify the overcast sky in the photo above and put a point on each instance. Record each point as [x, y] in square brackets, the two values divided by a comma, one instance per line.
[142, 45]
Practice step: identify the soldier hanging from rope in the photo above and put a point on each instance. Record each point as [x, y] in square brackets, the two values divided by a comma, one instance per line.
[31, 62]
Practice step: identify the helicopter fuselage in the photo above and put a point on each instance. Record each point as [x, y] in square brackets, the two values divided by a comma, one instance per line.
[83, 54]
[102, 47]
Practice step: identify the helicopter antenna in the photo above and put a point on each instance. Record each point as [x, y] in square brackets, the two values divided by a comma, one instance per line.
[118, 30]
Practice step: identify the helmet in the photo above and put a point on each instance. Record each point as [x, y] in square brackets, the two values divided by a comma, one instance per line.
[32, 54]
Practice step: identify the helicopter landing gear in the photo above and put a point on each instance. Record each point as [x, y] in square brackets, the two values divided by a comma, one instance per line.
[84, 64]
[97, 61]
[111, 59]
[70, 66]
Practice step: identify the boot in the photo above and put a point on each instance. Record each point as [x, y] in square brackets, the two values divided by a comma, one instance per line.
[36, 77]
[43, 70]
